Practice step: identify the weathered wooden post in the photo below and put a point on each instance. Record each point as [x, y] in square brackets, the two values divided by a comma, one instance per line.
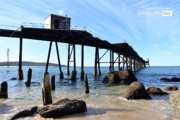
[126, 62]
[95, 62]
[28, 82]
[74, 73]
[82, 60]
[130, 61]
[46, 90]
[86, 85]
[68, 59]
[118, 62]
[59, 63]
[134, 66]
[19, 71]
[99, 71]
[4, 90]
[53, 82]
[123, 62]
[110, 62]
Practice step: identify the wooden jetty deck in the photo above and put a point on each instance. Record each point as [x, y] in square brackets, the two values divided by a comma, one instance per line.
[126, 54]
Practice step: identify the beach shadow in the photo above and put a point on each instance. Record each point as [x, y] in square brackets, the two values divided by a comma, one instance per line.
[5, 108]
[92, 112]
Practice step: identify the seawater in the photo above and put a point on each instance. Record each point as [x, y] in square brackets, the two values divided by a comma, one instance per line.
[103, 102]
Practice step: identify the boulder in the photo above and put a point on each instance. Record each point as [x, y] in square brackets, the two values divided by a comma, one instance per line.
[175, 102]
[174, 79]
[171, 88]
[136, 91]
[61, 108]
[156, 91]
[125, 77]
[25, 113]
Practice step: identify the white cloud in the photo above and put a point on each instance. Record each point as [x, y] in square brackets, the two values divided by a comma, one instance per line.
[60, 12]
[2, 41]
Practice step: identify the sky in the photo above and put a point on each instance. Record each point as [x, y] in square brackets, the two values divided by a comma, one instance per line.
[140, 23]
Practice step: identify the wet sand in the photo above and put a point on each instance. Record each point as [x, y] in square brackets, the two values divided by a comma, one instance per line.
[102, 104]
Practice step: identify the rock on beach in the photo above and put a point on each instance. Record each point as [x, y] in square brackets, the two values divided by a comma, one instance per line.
[61, 108]
[156, 91]
[125, 77]
[136, 91]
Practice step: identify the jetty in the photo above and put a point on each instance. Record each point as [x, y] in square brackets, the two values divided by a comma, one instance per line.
[75, 35]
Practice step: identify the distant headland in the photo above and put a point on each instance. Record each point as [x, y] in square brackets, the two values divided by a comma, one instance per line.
[27, 63]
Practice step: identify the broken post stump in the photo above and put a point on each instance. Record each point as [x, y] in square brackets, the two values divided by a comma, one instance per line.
[46, 90]
[61, 75]
[53, 82]
[73, 75]
[28, 82]
[4, 88]
[86, 86]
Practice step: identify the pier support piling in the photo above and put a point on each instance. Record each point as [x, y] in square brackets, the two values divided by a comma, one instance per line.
[68, 72]
[53, 82]
[119, 62]
[20, 71]
[99, 70]
[86, 85]
[95, 62]
[74, 72]
[59, 63]
[82, 60]
[48, 57]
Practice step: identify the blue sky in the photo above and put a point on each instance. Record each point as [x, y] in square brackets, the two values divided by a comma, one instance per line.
[155, 37]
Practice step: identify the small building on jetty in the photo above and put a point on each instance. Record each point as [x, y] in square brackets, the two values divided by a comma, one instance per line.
[58, 29]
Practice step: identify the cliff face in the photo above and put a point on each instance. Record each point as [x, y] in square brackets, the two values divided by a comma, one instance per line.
[26, 63]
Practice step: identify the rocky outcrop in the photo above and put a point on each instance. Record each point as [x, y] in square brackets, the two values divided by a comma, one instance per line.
[174, 79]
[156, 91]
[136, 91]
[61, 108]
[171, 88]
[25, 113]
[125, 77]
[4, 90]
[175, 102]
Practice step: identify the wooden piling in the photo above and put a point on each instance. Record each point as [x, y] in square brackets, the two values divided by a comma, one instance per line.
[123, 62]
[59, 63]
[19, 71]
[48, 56]
[74, 73]
[86, 85]
[46, 90]
[53, 82]
[99, 70]
[95, 61]
[130, 61]
[110, 62]
[68, 60]
[28, 82]
[119, 62]
[82, 60]
[4, 90]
